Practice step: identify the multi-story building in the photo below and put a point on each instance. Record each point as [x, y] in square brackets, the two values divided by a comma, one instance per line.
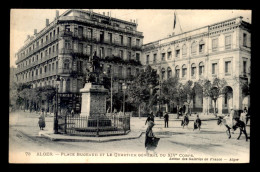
[65, 45]
[220, 50]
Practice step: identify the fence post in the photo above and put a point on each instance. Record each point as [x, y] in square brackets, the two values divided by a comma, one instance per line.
[124, 124]
[65, 127]
[97, 126]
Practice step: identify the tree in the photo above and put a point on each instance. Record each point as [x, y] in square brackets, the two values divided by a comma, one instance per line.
[214, 90]
[188, 93]
[169, 90]
[141, 93]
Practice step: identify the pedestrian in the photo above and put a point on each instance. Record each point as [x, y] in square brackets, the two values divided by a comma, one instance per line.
[149, 118]
[248, 113]
[41, 121]
[166, 119]
[151, 141]
[184, 109]
[185, 120]
[243, 116]
[197, 123]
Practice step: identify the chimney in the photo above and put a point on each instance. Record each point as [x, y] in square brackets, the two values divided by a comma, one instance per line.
[35, 31]
[57, 13]
[47, 22]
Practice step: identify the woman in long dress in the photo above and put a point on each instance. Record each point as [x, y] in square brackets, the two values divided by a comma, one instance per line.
[151, 141]
[41, 121]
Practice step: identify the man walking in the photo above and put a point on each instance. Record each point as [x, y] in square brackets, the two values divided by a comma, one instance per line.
[166, 119]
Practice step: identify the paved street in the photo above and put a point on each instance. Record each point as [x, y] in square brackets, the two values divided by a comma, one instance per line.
[211, 141]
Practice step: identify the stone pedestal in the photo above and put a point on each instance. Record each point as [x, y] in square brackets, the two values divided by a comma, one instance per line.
[93, 100]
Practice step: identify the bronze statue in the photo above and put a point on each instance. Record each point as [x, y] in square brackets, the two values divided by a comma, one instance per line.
[94, 70]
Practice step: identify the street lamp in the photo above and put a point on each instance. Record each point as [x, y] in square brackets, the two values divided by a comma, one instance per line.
[56, 112]
[111, 89]
[124, 87]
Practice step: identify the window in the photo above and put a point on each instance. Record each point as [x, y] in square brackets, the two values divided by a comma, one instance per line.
[109, 67]
[89, 33]
[121, 53]
[67, 44]
[193, 48]
[137, 57]
[227, 67]
[177, 52]
[201, 68]
[45, 69]
[89, 49]
[177, 71]
[128, 71]
[163, 73]
[52, 66]
[80, 66]
[214, 68]
[147, 59]
[110, 37]
[184, 50]
[138, 42]
[49, 67]
[121, 39]
[215, 44]
[129, 55]
[201, 47]
[169, 72]
[129, 41]
[80, 31]
[50, 50]
[101, 36]
[36, 72]
[228, 42]
[66, 64]
[244, 39]
[169, 54]
[154, 58]
[57, 65]
[40, 70]
[109, 52]
[57, 47]
[163, 56]
[101, 52]
[137, 72]
[67, 28]
[184, 71]
[193, 70]
[46, 38]
[80, 48]
[244, 67]
[120, 70]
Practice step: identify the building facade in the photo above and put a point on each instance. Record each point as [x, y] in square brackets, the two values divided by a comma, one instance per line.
[65, 45]
[220, 50]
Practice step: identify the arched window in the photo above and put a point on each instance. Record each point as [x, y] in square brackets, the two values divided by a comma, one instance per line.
[201, 68]
[177, 71]
[184, 50]
[177, 52]
[66, 64]
[201, 46]
[193, 70]
[128, 71]
[193, 48]
[184, 71]
[169, 53]
[163, 73]
[169, 72]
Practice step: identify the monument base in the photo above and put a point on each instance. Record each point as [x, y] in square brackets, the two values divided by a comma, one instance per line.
[93, 100]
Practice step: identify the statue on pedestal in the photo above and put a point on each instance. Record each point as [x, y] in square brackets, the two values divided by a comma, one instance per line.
[94, 70]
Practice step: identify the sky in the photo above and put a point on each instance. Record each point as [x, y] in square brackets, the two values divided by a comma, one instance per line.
[155, 24]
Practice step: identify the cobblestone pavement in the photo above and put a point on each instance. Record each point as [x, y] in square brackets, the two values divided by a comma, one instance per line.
[176, 142]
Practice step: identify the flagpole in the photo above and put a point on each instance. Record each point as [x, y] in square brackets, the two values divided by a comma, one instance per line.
[178, 20]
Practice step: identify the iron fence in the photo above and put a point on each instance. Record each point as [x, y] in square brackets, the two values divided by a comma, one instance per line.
[94, 125]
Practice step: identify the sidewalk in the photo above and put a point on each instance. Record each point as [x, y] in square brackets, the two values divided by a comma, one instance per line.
[138, 127]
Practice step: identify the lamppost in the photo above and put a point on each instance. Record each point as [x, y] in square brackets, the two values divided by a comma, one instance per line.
[124, 87]
[111, 88]
[56, 112]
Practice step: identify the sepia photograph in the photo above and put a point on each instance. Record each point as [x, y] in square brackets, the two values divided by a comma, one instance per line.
[129, 86]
